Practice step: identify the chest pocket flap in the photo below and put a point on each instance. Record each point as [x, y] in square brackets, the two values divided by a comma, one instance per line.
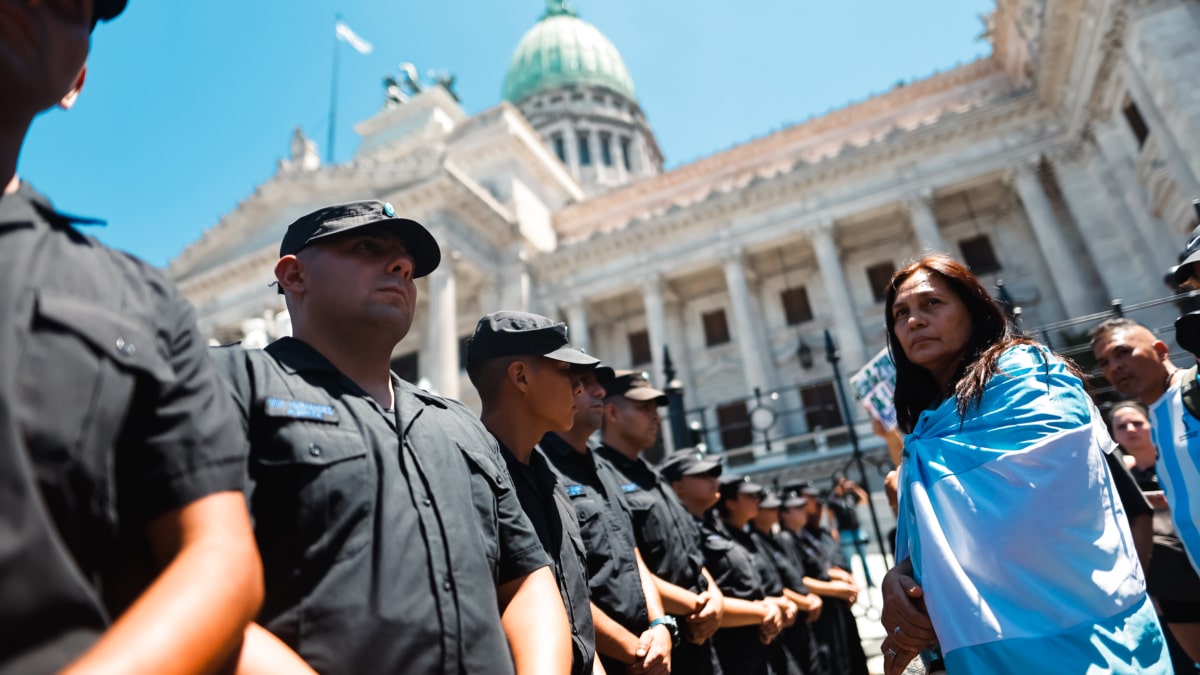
[106, 331]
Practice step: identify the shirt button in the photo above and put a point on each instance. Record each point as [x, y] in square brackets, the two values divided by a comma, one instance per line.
[126, 348]
[446, 585]
[314, 450]
[426, 502]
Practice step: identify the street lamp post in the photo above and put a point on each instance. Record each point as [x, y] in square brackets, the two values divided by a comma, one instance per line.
[674, 392]
[832, 355]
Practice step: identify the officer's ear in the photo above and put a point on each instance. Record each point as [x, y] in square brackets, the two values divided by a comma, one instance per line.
[73, 95]
[289, 272]
[518, 373]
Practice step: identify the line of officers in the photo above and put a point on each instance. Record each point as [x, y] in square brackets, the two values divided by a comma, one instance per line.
[301, 508]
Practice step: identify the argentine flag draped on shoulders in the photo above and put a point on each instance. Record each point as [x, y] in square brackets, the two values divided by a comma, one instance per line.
[1017, 534]
[1176, 435]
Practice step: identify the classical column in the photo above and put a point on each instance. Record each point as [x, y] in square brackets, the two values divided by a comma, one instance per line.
[442, 338]
[656, 328]
[597, 159]
[1156, 238]
[656, 325]
[920, 211]
[578, 325]
[1060, 259]
[1178, 166]
[845, 324]
[514, 280]
[746, 327]
[571, 145]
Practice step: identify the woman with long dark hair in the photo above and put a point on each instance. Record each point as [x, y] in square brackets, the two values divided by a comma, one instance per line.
[1015, 552]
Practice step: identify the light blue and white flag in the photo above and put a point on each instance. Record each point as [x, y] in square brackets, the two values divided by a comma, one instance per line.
[1177, 437]
[1017, 534]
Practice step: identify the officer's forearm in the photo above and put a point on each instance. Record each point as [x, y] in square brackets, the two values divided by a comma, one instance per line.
[192, 617]
[535, 622]
[740, 612]
[654, 603]
[676, 600]
[264, 654]
[612, 639]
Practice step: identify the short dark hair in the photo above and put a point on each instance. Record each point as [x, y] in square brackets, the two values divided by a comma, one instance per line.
[1107, 326]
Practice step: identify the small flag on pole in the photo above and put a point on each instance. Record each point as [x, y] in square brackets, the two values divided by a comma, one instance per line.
[351, 38]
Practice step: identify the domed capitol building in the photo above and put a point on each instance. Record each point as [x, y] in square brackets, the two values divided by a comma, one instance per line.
[1063, 164]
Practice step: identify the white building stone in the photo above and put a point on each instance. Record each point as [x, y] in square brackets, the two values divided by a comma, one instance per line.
[1064, 163]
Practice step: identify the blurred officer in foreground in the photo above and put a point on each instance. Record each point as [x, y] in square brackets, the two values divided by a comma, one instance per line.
[626, 607]
[125, 546]
[528, 377]
[381, 555]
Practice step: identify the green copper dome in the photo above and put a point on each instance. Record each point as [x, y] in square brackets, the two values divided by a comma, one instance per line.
[563, 50]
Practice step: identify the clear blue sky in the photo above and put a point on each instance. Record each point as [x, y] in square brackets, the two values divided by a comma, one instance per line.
[188, 105]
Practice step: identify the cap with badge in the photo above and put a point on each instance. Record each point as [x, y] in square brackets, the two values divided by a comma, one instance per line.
[342, 218]
[509, 333]
[689, 462]
[734, 485]
[769, 500]
[794, 500]
[635, 386]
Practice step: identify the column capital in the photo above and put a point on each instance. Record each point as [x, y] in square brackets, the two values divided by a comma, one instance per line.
[1029, 165]
[735, 254]
[822, 227]
[918, 198]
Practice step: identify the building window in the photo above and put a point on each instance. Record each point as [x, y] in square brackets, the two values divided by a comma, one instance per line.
[734, 422]
[795, 305]
[978, 255]
[716, 329]
[1137, 124]
[405, 366]
[878, 277]
[820, 406]
[639, 347]
[606, 149]
[560, 147]
[625, 153]
[585, 149]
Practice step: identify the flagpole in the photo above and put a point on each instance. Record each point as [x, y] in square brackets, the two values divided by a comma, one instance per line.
[333, 89]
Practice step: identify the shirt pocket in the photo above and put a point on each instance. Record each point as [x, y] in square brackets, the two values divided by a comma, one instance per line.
[311, 493]
[486, 484]
[652, 533]
[79, 378]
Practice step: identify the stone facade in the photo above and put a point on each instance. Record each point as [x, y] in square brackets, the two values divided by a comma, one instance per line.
[1064, 164]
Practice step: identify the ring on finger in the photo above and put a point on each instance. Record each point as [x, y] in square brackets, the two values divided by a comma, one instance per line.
[890, 653]
[896, 631]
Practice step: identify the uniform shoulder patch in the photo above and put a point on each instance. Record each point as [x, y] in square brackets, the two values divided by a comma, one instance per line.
[301, 410]
[574, 490]
[630, 487]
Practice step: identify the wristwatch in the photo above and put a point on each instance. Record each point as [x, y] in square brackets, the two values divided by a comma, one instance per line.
[672, 627]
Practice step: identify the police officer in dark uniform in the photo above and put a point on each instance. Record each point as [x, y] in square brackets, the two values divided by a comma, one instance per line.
[631, 627]
[736, 509]
[836, 630]
[749, 620]
[125, 545]
[667, 536]
[528, 377]
[380, 552]
[798, 638]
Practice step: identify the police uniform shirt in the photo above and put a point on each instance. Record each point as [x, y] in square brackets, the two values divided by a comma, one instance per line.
[736, 574]
[110, 416]
[669, 540]
[799, 638]
[836, 630]
[666, 533]
[549, 509]
[606, 529]
[374, 551]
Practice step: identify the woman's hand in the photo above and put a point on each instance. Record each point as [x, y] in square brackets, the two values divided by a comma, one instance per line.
[904, 618]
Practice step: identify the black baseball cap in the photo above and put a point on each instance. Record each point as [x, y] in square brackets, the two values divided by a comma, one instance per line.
[342, 218]
[689, 462]
[734, 485]
[509, 333]
[635, 386]
[1191, 253]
